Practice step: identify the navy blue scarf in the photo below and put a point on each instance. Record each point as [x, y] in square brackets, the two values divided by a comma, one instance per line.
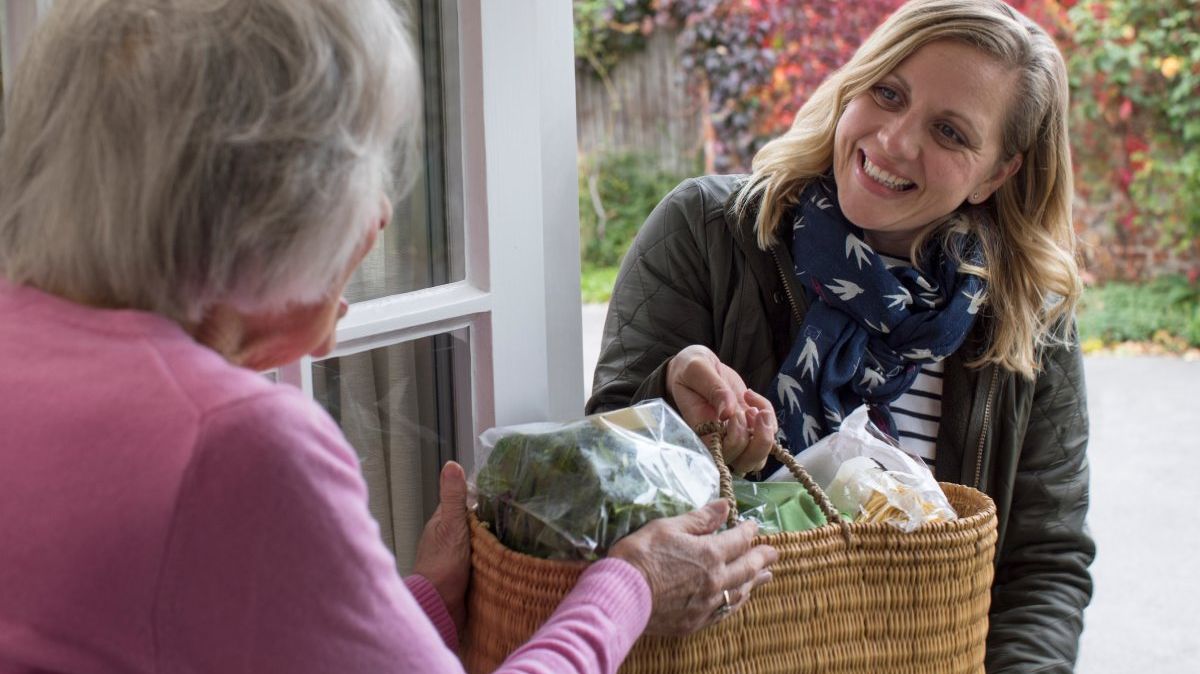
[868, 328]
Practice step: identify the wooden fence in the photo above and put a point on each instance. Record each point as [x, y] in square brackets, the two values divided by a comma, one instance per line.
[646, 105]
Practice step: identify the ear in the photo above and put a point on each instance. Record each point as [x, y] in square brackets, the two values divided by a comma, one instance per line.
[1003, 172]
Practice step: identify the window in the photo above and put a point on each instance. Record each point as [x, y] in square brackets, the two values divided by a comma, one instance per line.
[399, 407]
[466, 315]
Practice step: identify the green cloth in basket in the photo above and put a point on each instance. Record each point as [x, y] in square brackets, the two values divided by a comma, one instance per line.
[777, 506]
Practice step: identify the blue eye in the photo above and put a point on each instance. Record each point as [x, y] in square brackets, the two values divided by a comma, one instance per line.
[887, 94]
[949, 133]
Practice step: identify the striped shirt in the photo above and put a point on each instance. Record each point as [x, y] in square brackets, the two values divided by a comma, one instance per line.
[918, 412]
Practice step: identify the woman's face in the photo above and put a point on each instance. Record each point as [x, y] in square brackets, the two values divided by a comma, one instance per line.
[921, 141]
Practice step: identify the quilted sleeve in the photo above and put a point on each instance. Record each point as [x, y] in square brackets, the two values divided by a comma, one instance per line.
[661, 303]
[1042, 583]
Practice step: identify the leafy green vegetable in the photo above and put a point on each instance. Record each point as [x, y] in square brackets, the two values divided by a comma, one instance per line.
[573, 491]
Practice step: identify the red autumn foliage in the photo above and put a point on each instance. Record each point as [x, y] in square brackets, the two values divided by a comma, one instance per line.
[807, 41]
[758, 61]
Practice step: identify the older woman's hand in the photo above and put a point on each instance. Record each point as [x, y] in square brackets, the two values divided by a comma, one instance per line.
[444, 551]
[690, 569]
[705, 389]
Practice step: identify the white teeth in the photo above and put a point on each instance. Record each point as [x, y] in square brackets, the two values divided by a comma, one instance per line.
[883, 177]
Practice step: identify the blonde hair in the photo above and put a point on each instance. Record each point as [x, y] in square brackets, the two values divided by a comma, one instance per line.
[1025, 231]
[169, 156]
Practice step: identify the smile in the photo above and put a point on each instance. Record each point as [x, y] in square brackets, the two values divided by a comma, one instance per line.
[892, 182]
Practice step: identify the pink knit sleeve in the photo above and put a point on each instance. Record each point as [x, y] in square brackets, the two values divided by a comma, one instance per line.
[435, 609]
[275, 564]
[592, 630]
[594, 627]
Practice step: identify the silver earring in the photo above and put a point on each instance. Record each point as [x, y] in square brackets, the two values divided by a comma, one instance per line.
[975, 198]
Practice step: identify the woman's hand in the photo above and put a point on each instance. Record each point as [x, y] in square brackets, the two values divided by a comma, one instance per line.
[705, 389]
[690, 570]
[444, 552]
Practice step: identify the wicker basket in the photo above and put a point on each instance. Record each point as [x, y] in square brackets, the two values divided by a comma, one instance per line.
[845, 598]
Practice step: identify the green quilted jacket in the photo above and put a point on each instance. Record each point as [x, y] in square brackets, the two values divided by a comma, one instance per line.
[693, 276]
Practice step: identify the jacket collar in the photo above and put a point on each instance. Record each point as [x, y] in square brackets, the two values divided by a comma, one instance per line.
[770, 268]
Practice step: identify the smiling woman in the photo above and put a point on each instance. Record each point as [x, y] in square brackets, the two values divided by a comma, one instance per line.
[906, 245]
[927, 138]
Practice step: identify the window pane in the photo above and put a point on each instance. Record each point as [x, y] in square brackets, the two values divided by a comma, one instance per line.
[420, 248]
[396, 405]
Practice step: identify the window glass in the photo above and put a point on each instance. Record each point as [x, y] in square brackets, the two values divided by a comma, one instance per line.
[397, 407]
[420, 248]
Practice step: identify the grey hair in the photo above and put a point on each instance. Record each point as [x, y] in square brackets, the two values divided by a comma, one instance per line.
[170, 155]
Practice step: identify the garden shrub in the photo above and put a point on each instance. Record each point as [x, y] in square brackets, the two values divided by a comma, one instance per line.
[627, 186]
[1165, 310]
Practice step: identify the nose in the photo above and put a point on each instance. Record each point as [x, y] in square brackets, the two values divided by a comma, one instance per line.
[899, 137]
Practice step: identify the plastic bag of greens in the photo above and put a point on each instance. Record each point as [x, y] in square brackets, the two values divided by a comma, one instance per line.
[571, 490]
[777, 506]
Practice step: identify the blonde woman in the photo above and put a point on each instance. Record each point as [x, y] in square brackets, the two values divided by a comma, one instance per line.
[907, 244]
[185, 188]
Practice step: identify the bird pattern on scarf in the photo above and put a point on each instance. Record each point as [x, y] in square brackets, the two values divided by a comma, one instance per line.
[868, 328]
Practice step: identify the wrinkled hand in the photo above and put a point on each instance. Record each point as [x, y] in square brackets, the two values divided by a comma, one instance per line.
[705, 389]
[444, 552]
[689, 569]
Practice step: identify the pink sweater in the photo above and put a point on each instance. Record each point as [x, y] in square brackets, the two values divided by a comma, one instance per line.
[164, 511]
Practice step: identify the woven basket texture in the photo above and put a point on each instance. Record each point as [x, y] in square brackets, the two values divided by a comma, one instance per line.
[889, 602]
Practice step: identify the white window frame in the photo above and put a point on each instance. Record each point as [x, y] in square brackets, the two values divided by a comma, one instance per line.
[512, 186]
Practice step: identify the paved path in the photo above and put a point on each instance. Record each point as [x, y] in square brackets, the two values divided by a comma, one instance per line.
[593, 327]
[1145, 515]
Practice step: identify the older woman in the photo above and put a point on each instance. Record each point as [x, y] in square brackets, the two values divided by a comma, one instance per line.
[186, 188]
[907, 245]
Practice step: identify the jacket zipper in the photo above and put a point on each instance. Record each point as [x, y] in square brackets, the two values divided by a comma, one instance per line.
[987, 418]
[787, 288]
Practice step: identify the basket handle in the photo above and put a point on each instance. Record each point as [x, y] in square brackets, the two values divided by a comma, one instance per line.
[713, 434]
